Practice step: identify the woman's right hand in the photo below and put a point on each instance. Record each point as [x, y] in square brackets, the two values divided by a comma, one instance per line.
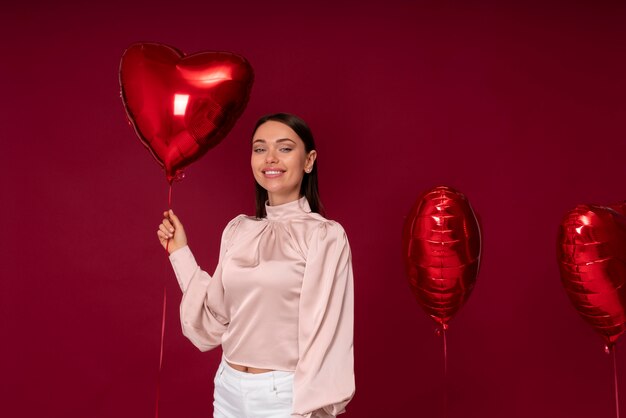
[171, 230]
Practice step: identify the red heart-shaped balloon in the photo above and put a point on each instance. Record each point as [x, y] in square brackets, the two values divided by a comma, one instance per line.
[441, 242]
[181, 106]
[591, 253]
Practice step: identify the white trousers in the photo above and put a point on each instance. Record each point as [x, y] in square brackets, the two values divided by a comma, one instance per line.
[252, 395]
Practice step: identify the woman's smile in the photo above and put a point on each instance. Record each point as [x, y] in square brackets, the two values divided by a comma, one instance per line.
[272, 172]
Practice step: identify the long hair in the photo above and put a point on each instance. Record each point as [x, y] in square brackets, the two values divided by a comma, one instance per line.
[308, 188]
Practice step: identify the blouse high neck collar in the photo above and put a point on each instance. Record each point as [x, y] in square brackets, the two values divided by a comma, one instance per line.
[287, 210]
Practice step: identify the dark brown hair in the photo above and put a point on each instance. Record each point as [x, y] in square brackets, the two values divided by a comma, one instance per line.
[308, 188]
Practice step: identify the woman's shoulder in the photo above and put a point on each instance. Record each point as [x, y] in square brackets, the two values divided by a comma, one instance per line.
[323, 227]
[234, 225]
[240, 220]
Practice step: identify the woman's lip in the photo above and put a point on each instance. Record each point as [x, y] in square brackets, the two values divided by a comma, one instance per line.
[272, 172]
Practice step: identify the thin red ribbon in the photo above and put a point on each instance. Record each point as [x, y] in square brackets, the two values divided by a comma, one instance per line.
[158, 387]
[441, 332]
[615, 383]
[445, 372]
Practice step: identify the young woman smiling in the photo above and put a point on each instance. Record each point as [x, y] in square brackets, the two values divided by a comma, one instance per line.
[280, 302]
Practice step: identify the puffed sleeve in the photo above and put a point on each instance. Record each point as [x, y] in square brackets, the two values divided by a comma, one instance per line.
[202, 313]
[324, 375]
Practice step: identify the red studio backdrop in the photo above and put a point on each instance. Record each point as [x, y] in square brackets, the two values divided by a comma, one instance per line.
[519, 106]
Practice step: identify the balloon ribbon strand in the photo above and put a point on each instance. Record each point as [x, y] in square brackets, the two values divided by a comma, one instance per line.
[615, 384]
[445, 373]
[158, 388]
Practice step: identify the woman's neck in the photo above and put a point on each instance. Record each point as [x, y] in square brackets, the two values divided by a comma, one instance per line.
[274, 200]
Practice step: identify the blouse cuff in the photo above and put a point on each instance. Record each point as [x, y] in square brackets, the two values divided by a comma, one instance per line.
[184, 265]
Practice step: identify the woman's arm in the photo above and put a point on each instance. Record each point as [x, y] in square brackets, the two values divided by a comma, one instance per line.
[202, 311]
[324, 376]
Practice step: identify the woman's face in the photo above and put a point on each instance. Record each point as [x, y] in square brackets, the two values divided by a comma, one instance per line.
[279, 161]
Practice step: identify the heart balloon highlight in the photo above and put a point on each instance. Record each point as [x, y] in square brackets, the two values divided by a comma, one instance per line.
[591, 252]
[182, 105]
[441, 244]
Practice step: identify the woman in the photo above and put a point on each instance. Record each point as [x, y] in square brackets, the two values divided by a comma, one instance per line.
[280, 302]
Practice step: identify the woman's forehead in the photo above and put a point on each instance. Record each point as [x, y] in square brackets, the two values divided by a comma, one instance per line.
[275, 131]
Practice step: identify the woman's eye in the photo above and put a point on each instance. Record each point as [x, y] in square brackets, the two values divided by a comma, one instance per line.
[285, 149]
[258, 150]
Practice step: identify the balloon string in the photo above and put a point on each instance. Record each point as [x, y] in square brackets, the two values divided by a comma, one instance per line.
[169, 206]
[158, 388]
[445, 355]
[445, 373]
[615, 384]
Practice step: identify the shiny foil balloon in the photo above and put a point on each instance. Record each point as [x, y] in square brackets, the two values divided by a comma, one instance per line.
[442, 244]
[182, 105]
[591, 253]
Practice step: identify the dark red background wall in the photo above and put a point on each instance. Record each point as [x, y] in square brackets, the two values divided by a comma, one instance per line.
[521, 107]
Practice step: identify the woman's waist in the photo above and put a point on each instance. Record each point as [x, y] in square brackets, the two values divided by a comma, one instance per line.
[256, 360]
[247, 369]
[251, 372]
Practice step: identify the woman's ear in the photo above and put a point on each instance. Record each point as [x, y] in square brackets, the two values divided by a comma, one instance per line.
[310, 160]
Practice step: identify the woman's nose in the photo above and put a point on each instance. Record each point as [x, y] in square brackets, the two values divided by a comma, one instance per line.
[270, 157]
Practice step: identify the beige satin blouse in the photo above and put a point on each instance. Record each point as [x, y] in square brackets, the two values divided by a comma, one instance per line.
[281, 298]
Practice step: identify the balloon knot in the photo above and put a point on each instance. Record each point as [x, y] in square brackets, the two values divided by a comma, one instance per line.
[179, 176]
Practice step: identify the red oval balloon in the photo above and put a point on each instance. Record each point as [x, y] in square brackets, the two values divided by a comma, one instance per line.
[441, 242]
[182, 105]
[591, 253]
